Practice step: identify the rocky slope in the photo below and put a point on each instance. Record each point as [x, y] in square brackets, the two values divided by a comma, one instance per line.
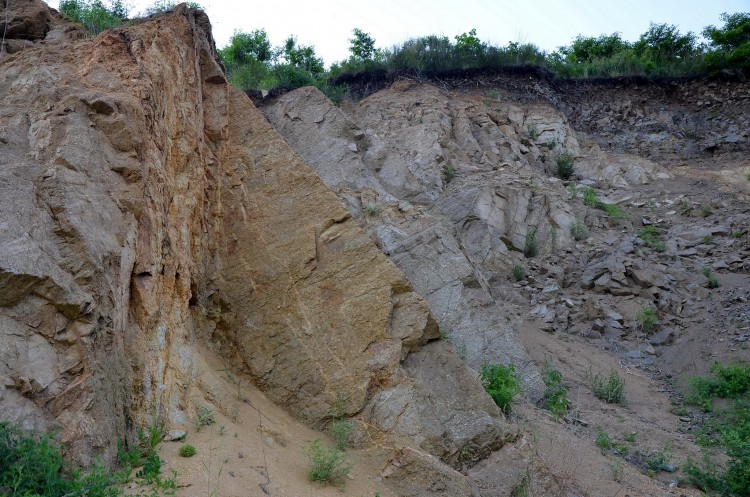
[152, 213]
[456, 184]
[168, 247]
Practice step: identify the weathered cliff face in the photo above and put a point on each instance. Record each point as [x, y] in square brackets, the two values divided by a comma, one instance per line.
[455, 188]
[149, 210]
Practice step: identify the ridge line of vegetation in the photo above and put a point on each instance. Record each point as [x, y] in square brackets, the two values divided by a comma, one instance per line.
[661, 53]
[253, 64]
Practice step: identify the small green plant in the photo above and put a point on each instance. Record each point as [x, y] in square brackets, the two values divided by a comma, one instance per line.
[590, 198]
[629, 437]
[501, 383]
[706, 270]
[204, 417]
[531, 245]
[555, 397]
[519, 272]
[690, 134]
[657, 460]
[713, 281]
[651, 236]
[32, 464]
[727, 427]
[706, 210]
[647, 319]
[372, 210]
[603, 441]
[578, 230]
[610, 390]
[521, 489]
[564, 165]
[533, 131]
[708, 239]
[341, 429]
[449, 172]
[572, 190]
[617, 469]
[327, 465]
[737, 234]
[686, 208]
[187, 450]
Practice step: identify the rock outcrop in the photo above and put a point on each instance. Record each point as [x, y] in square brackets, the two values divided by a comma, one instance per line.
[151, 211]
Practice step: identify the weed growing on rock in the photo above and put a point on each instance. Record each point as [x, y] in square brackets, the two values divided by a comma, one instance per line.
[531, 245]
[706, 210]
[501, 383]
[372, 210]
[449, 172]
[578, 230]
[651, 236]
[564, 165]
[713, 281]
[519, 272]
[592, 200]
[611, 390]
[737, 234]
[572, 190]
[521, 489]
[706, 270]
[533, 131]
[686, 208]
[647, 319]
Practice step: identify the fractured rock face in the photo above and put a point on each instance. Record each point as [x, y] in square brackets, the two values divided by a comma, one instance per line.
[450, 192]
[156, 212]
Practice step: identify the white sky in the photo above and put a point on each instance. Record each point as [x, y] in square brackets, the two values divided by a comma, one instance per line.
[328, 24]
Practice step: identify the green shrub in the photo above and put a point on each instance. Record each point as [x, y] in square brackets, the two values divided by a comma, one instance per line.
[328, 466]
[519, 272]
[651, 236]
[449, 172]
[531, 245]
[728, 427]
[590, 198]
[647, 319]
[564, 165]
[372, 210]
[603, 441]
[501, 383]
[32, 465]
[204, 417]
[686, 208]
[341, 430]
[611, 390]
[94, 15]
[533, 131]
[555, 397]
[187, 450]
[578, 230]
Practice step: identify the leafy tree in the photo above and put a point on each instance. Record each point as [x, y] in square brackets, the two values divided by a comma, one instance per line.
[469, 47]
[302, 57]
[730, 45]
[94, 15]
[362, 46]
[246, 47]
[664, 41]
[588, 49]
